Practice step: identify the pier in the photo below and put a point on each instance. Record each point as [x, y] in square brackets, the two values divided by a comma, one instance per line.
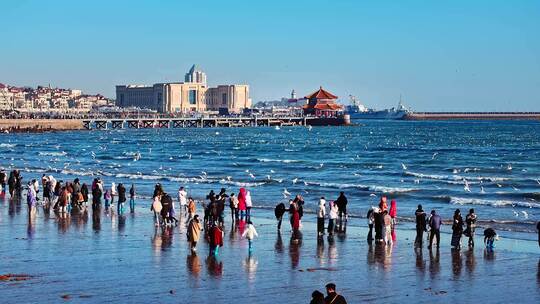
[212, 122]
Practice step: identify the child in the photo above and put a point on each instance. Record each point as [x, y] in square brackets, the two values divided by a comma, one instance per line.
[132, 198]
[107, 196]
[490, 236]
[387, 228]
[250, 233]
[215, 238]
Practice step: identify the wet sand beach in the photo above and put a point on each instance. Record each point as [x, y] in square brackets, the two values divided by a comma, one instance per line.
[125, 259]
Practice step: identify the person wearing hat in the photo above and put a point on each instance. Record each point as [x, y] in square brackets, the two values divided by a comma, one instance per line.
[332, 297]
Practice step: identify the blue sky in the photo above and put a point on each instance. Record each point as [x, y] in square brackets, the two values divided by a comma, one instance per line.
[440, 55]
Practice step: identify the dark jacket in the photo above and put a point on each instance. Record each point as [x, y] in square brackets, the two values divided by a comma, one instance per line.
[420, 219]
[121, 193]
[334, 298]
[435, 222]
[279, 210]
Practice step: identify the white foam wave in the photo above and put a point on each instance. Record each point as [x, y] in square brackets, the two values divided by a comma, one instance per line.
[286, 161]
[457, 178]
[375, 188]
[4, 145]
[492, 203]
[63, 153]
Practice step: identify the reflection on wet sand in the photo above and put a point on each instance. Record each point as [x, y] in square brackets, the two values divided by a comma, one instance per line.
[214, 266]
[434, 263]
[96, 221]
[31, 225]
[294, 249]
[193, 265]
[489, 255]
[538, 274]
[470, 261]
[278, 246]
[320, 250]
[250, 266]
[420, 262]
[457, 263]
[332, 250]
[121, 223]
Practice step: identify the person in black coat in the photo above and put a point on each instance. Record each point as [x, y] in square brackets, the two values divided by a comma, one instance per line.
[332, 296]
[317, 297]
[279, 211]
[379, 224]
[421, 225]
[121, 198]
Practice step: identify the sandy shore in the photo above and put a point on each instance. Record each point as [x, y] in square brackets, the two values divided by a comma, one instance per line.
[42, 124]
[112, 259]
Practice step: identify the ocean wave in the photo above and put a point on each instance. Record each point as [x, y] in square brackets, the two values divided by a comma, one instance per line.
[492, 203]
[63, 153]
[187, 180]
[4, 145]
[455, 178]
[382, 189]
[286, 161]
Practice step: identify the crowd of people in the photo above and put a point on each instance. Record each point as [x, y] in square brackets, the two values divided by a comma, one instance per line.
[66, 198]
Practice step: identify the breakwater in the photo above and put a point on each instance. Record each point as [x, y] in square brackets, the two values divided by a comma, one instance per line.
[473, 116]
[39, 125]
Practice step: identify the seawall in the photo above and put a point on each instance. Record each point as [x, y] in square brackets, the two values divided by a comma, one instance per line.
[473, 116]
[40, 125]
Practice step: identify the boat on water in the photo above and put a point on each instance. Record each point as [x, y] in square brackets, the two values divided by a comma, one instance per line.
[357, 110]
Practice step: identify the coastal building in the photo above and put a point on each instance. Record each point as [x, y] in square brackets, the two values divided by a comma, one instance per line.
[228, 98]
[195, 75]
[322, 103]
[193, 95]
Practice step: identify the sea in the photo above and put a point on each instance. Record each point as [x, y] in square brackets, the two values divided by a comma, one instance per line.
[491, 166]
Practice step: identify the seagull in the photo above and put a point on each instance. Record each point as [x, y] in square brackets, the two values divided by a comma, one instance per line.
[499, 185]
[538, 181]
[525, 214]
[204, 173]
[466, 186]
[189, 156]
[286, 193]
[272, 171]
[294, 181]
[515, 189]
[251, 175]
[434, 154]
[321, 165]
[403, 166]
[482, 190]
[268, 177]
[229, 178]
[515, 213]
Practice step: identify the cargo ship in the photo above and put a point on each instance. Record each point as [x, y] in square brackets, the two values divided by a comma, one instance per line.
[357, 110]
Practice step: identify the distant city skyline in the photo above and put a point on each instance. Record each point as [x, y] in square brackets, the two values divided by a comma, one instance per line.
[452, 56]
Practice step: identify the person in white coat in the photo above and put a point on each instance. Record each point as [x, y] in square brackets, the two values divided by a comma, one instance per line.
[333, 218]
[249, 204]
[250, 233]
[182, 199]
[321, 214]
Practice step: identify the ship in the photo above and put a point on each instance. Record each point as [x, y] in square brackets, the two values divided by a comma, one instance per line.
[357, 110]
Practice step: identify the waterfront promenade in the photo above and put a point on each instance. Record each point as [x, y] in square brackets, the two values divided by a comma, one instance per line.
[125, 259]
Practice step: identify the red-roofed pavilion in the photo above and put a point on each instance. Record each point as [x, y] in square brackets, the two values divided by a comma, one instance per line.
[322, 103]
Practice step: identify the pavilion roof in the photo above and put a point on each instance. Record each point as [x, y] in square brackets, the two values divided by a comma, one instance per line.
[321, 94]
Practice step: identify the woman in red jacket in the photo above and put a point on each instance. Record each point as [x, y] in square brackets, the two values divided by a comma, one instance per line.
[242, 202]
[393, 213]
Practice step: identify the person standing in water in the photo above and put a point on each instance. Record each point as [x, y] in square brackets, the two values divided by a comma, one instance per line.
[242, 202]
[421, 223]
[121, 198]
[108, 197]
[457, 229]
[191, 209]
[470, 220]
[250, 233]
[193, 232]
[3, 181]
[279, 211]
[435, 223]
[538, 228]
[371, 221]
[114, 193]
[156, 208]
[182, 199]
[341, 203]
[215, 238]
[393, 213]
[387, 228]
[249, 205]
[333, 216]
[321, 214]
[132, 198]
[233, 205]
